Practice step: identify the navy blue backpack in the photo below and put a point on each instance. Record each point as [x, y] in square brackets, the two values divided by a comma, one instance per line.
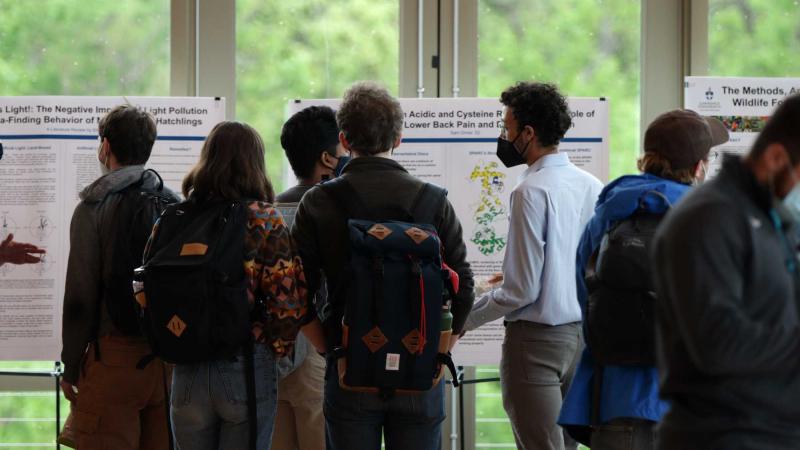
[395, 290]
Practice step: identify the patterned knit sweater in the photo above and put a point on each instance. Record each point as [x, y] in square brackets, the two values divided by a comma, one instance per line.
[275, 272]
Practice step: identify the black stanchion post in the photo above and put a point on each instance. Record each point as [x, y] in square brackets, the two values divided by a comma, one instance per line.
[57, 373]
[461, 408]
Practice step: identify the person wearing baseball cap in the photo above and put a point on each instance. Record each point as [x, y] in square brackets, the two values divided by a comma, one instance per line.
[677, 143]
[613, 402]
[726, 272]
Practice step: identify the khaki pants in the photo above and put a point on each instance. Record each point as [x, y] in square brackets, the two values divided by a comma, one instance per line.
[299, 424]
[120, 407]
[536, 369]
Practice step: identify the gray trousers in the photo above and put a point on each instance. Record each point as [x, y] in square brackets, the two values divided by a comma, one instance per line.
[536, 369]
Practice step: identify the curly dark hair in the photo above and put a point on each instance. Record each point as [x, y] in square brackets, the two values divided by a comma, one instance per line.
[540, 106]
[306, 135]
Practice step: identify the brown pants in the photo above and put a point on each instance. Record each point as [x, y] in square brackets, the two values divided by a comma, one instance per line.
[299, 423]
[120, 407]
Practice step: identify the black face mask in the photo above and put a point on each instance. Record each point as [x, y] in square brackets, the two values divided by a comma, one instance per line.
[343, 160]
[508, 153]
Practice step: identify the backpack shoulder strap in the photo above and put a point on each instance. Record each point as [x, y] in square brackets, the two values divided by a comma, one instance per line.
[345, 197]
[428, 204]
[160, 185]
[656, 194]
[138, 185]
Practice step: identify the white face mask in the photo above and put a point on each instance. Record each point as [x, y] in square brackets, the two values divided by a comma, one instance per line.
[102, 162]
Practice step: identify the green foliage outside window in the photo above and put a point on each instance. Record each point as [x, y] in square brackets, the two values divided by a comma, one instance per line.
[87, 47]
[754, 38]
[589, 48]
[308, 49]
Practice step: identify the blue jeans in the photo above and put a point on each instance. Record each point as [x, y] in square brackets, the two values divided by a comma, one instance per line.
[625, 434]
[209, 403]
[356, 420]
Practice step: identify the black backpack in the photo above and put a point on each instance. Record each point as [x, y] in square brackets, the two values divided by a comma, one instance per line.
[136, 209]
[192, 289]
[620, 321]
[194, 305]
[394, 294]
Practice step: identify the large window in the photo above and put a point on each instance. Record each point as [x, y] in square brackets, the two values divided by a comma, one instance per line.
[64, 47]
[91, 47]
[588, 47]
[308, 49]
[754, 38]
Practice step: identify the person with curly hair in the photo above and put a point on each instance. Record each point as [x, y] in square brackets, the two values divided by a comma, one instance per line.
[537, 296]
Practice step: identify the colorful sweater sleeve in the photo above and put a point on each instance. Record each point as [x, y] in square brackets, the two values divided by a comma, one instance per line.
[279, 284]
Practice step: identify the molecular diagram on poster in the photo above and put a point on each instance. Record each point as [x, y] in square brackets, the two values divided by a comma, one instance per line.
[490, 208]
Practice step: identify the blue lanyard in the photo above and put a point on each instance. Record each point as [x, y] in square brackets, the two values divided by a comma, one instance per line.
[791, 259]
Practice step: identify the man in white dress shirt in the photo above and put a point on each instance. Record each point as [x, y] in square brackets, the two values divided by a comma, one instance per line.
[550, 207]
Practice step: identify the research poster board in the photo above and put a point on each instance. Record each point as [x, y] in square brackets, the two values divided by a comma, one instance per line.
[50, 154]
[452, 142]
[742, 104]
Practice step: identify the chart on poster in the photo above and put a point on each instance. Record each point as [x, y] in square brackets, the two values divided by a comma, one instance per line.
[50, 154]
[452, 142]
[742, 104]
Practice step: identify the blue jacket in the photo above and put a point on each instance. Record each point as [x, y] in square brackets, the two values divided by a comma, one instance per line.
[626, 391]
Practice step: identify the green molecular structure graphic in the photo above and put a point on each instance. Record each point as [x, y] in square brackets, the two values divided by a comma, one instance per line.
[489, 208]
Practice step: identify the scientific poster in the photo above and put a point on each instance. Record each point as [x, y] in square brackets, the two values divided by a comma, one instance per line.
[452, 142]
[742, 104]
[50, 154]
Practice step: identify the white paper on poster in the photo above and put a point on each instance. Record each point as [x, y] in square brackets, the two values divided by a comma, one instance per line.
[51, 146]
[452, 142]
[742, 104]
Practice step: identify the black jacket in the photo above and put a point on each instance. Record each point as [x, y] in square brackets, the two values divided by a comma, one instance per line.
[320, 230]
[728, 332]
[85, 317]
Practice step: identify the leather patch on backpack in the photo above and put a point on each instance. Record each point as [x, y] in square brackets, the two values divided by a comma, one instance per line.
[141, 299]
[176, 326]
[375, 339]
[194, 249]
[379, 231]
[413, 342]
[417, 235]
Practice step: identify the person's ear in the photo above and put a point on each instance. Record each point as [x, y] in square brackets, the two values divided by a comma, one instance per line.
[343, 141]
[699, 170]
[529, 134]
[102, 151]
[325, 159]
[776, 157]
[397, 141]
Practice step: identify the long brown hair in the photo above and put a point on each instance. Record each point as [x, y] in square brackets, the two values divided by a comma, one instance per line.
[231, 166]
